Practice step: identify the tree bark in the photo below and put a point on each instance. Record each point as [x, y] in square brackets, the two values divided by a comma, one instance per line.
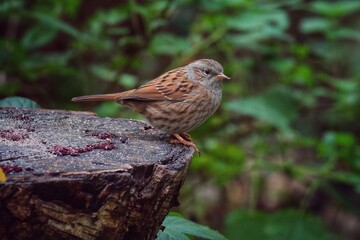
[73, 175]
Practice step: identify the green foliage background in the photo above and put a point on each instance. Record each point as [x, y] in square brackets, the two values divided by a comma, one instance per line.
[283, 147]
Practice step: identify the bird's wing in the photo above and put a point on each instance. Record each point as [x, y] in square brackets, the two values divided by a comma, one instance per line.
[170, 86]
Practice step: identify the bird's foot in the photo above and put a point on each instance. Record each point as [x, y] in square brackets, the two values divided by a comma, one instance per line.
[185, 139]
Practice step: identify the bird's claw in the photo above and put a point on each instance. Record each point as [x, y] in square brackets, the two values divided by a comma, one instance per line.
[185, 139]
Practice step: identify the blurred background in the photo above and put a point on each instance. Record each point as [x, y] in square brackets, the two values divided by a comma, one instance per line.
[280, 158]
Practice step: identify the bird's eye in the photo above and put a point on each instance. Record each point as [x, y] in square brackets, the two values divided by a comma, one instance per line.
[207, 71]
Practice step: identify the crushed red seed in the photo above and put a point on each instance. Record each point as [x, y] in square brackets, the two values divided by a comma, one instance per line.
[103, 135]
[21, 117]
[105, 146]
[74, 151]
[64, 150]
[9, 169]
[12, 135]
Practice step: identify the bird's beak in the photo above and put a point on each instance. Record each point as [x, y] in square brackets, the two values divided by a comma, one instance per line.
[222, 76]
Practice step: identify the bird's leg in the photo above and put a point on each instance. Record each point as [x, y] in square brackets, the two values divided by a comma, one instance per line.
[185, 139]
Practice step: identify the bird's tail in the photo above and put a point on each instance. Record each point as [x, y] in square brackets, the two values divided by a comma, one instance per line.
[100, 97]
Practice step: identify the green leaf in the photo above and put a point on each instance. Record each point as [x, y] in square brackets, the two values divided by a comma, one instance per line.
[346, 33]
[277, 106]
[303, 74]
[251, 27]
[71, 6]
[55, 23]
[259, 20]
[178, 228]
[114, 16]
[38, 36]
[103, 72]
[127, 80]
[170, 234]
[19, 102]
[340, 145]
[101, 21]
[110, 109]
[283, 65]
[335, 9]
[315, 24]
[163, 43]
[280, 225]
[222, 5]
[349, 178]
[231, 164]
[10, 5]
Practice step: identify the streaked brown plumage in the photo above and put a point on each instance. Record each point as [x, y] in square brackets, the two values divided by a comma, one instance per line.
[177, 101]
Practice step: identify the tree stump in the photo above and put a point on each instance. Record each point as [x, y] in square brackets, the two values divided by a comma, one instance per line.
[73, 175]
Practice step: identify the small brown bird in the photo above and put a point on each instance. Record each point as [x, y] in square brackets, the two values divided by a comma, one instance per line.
[177, 101]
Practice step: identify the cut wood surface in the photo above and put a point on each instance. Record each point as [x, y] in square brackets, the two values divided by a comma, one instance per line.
[73, 175]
